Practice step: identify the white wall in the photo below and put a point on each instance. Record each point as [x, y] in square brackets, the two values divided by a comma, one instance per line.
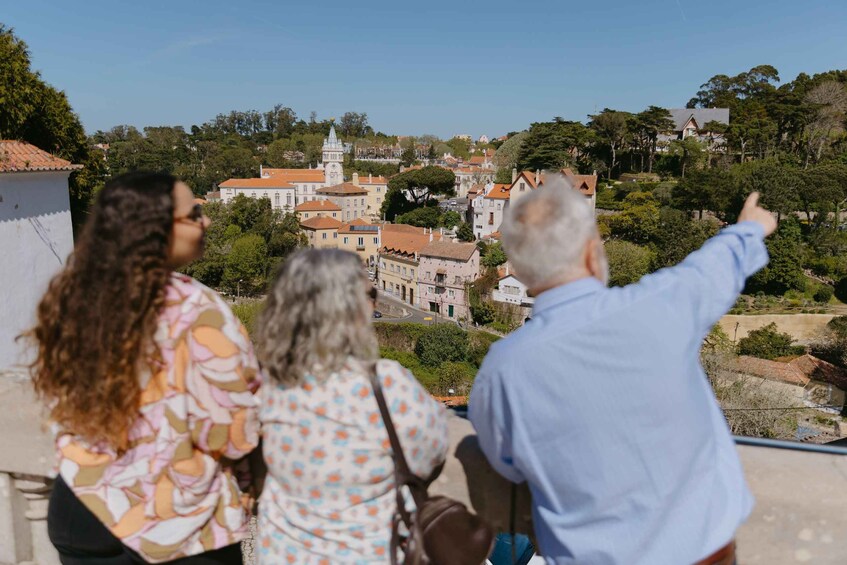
[35, 240]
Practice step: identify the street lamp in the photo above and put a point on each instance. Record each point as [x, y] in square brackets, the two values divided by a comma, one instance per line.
[238, 288]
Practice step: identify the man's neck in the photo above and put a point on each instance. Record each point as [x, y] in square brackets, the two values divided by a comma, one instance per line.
[560, 281]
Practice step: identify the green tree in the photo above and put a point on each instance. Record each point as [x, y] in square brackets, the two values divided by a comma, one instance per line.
[689, 151]
[784, 271]
[450, 219]
[767, 343]
[465, 232]
[628, 262]
[638, 219]
[494, 256]
[677, 235]
[550, 145]
[442, 343]
[714, 190]
[423, 217]
[407, 158]
[420, 185]
[34, 111]
[611, 129]
[246, 265]
[507, 155]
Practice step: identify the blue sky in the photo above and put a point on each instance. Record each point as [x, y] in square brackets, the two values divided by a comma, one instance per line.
[414, 67]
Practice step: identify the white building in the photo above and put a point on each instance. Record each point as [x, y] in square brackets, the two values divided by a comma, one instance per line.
[512, 291]
[301, 184]
[35, 228]
[288, 188]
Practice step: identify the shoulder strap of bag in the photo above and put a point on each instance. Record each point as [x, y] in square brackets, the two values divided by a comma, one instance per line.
[404, 475]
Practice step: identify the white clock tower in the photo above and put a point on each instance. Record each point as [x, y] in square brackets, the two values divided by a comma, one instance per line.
[333, 157]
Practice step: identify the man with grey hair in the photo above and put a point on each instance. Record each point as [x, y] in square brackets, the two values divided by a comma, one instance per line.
[600, 402]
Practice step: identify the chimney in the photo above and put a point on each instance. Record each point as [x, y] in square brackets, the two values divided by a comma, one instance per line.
[260, 171]
[537, 176]
[430, 235]
[356, 179]
[514, 174]
[370, 177]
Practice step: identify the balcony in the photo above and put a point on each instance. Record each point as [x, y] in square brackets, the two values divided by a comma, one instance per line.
[799, 515]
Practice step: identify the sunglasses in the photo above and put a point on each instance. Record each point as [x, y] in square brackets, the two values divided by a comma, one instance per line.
[195, 216]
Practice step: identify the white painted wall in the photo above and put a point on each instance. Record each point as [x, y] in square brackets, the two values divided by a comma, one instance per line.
[35, 240]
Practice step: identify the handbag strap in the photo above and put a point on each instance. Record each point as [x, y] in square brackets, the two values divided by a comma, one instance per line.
[404, 475]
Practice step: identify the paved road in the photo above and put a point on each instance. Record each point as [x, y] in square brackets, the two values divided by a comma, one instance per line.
[415, 315]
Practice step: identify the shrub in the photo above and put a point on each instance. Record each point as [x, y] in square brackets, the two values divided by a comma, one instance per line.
[841, 290]
[838, 326]
[456, 376]
[768, 343]
[402, 336]
[425, 375]
[478, 345]
[248, 312]
[442, 343]
[628, 262]
[823, 294]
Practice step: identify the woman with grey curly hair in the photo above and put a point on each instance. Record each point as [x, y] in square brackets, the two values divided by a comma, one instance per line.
[329, 494]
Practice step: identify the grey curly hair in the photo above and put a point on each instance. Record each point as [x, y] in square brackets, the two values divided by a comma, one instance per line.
[316, 317]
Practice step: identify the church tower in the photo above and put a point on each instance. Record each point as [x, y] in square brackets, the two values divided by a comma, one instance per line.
[333, 158]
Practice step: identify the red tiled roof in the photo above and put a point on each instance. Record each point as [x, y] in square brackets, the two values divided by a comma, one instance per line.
[317, 206]
[365, 179]
[499, 192]
[343, 189]
[22, 157]
[405, 240]
[296, 175]
[477, 160]
[449, 250]
[265, 182]
[346, 228]
[798, 371]
[320, 223]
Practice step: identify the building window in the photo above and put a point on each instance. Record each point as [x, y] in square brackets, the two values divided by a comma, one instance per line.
[324, 235]
[335, 235]
[523, 186]
[378, 190]
[333, 214]
[376, 241]
[348, 214]
[361, 241]
[413, 273]
[499, 206]
[287, 199]
[276, 200]
[491, 218]
[345, 240]
[404, 271]
[253, 195]
[451, 294]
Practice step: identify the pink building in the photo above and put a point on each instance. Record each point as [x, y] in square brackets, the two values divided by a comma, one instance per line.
[445, 268]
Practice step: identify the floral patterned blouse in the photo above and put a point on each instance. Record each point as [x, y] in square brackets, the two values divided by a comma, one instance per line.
[170, 494]
[329, 494]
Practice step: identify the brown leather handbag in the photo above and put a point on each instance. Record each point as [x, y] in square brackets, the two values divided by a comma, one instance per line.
[441, 531]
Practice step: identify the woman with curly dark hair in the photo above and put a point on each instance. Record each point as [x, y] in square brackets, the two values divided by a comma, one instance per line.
[149, 380]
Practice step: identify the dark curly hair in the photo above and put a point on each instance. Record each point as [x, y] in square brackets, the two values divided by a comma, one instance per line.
[96, 321]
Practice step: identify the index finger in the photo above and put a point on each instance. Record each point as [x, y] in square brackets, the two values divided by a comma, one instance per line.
[752, 200]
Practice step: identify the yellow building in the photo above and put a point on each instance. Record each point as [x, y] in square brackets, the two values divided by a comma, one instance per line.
[350, 198]
[318, 208]
[361, 237]
[376, 186]
[321, 232]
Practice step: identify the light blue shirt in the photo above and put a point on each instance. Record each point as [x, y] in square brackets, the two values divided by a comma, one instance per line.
[601, 405]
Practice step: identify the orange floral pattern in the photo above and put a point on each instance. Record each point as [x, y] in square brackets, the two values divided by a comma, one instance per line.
[172, 493]
[329, 495]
